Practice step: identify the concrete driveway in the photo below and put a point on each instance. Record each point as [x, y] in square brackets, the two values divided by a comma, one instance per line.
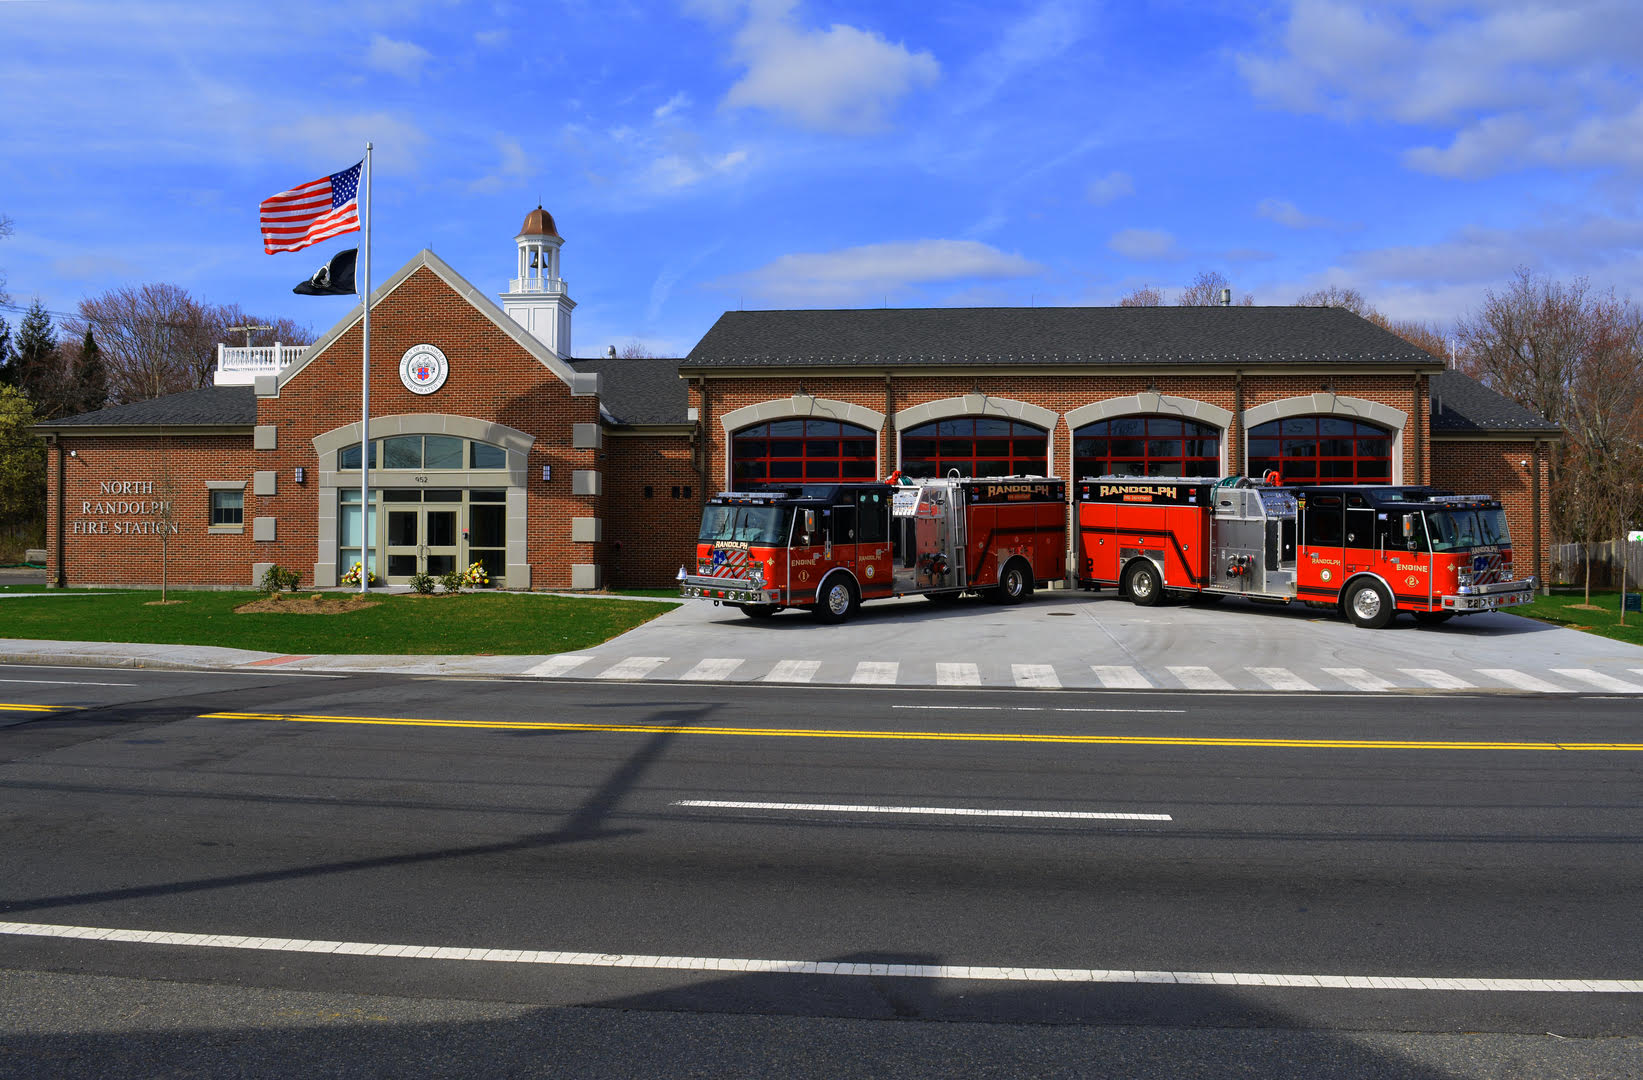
[1066, 638]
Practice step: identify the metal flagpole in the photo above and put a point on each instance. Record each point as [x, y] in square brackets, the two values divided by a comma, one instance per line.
[365, 550]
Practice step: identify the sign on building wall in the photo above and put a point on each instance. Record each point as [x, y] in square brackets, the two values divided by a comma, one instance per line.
[121, 509]
[423, 369]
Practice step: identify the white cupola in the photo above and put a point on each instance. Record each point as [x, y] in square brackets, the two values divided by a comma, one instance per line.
[536, 296]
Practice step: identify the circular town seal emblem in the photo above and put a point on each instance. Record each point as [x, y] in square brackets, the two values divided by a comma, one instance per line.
[423, 369]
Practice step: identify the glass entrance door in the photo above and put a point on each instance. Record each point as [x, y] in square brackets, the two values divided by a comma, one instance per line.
[422, 532]
[425, 530]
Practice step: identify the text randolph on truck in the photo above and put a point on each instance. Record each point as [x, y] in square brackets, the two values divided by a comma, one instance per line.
[827, 547]
[1370, 550]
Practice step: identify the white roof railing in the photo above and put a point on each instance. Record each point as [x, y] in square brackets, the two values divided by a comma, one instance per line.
[239, 365]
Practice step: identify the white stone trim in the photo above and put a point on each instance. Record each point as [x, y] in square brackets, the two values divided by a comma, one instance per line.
[1154, 404]
[980, 405]
[264, 482]
[1328, 404]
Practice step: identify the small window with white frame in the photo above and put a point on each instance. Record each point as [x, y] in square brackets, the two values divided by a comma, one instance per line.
[227, 508]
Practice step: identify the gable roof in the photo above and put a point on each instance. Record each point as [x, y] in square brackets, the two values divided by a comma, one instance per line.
[580, 384]
[214, 406]
[640, 390]
[1461, 404]
[1092, 336]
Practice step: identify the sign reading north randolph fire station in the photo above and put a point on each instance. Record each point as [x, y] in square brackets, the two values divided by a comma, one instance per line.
[423, 369]
[139, 516]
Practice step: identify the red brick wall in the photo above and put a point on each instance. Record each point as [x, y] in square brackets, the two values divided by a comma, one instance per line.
[648, 537]
[1497, 468]
[115, 540]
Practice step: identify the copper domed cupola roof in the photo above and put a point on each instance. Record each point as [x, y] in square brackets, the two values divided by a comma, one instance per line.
[539, 223]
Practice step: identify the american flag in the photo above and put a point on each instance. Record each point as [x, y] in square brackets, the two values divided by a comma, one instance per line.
[309, 213]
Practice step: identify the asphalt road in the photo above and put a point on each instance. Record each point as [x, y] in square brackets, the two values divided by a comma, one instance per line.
[1262, 844]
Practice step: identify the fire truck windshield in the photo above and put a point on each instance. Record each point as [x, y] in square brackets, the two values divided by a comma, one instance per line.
[768, 525]
[1457, 530]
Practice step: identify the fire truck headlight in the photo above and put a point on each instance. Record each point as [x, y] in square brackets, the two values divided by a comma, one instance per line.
[757, 577]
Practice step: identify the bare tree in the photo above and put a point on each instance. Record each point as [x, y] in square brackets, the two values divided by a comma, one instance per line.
[635, 351]
[1338, 296]
[5, 231]
[1143, 296]
[1205, 291]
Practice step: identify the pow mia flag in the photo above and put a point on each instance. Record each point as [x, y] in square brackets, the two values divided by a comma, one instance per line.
[335, 278]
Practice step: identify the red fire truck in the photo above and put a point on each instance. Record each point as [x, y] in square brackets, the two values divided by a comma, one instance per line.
[827, 547]
[1370, 551]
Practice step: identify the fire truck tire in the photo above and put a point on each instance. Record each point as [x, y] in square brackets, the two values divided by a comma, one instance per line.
[1433, 618]
[1142, 584]
[759, 611]
[1368, 605]
[1015, 584]
[837, 600]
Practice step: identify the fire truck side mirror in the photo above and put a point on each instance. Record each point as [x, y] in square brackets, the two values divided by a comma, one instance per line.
[810, 521]
[1408, 527]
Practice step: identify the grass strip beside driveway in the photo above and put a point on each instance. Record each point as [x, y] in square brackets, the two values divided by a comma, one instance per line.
[1568, 609]
[400, 624]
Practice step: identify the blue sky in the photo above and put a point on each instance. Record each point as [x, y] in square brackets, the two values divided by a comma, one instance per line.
[704, 155]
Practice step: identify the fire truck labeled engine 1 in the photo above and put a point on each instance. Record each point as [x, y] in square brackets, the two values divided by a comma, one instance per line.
[827, 547]
[1369, 550]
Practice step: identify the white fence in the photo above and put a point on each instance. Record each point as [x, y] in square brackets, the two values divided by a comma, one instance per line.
[1569, 564]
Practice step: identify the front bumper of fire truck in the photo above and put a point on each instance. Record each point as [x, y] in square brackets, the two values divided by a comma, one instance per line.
[728, 590]
[1490, 597]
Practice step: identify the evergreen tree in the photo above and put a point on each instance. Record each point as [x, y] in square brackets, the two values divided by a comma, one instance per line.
[89, 385]
[39, 363]
[8, 373]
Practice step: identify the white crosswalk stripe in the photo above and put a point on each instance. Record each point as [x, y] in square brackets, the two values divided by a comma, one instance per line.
[1513, 677]
[1200, 678]
[1280, 678]
[1442, 680]
[1359, 679]
[634, 667]
[875, 672]
[713, 669]
[958, 675]
[793, 671]
[1120, 677]
[555, 666]
[1599, 680]
[1035, 676]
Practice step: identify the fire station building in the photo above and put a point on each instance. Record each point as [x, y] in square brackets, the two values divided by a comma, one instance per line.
[490, 442]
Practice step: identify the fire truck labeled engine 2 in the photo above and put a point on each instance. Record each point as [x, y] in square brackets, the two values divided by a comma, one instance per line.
[1371, 551]
[827, 547]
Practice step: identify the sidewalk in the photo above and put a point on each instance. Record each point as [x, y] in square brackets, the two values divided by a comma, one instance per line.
[212, 658]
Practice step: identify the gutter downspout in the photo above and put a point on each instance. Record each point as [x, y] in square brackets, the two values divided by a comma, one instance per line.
[1420, 460]
[62, 473]
[1237, 460]
[704, 450]
[889, 428]
[1534, 495]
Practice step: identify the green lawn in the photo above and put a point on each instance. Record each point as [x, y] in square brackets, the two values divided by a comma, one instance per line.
[1560, 610]
[499, 623]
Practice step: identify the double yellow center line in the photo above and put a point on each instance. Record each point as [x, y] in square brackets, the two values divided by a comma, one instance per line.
[935, 736]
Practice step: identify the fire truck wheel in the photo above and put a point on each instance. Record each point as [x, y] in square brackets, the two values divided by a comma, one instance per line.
[1368, 605]
[837, 600]
[1433, 618]
[1015, 584]
[759, 611]
[1142, 584]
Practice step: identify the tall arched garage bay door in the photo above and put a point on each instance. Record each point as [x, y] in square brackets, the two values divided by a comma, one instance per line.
[1322, 449]
[802, 451]
[1147, 446]
[975, 446]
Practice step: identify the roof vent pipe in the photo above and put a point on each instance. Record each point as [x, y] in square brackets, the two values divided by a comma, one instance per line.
[1226, 297]
[610, 352]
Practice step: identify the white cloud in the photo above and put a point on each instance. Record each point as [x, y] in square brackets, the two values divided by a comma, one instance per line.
[1022, 48]
[838, 79]
[1515, 83]
[686, 170]
[334, 142]
[1144, 244]
[513, 168]
[857, 273]
[1115, 185]
[402, 58]
[1289, 215]
[490, 39]
[678, 101]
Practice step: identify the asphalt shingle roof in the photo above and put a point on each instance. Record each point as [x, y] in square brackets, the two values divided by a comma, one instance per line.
[214, 406]
[642, 390]
[958, 337]
[1460, 404]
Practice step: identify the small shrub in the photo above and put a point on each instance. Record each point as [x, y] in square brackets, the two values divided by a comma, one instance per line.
[422, 584]
[453, 580]
[277, 579]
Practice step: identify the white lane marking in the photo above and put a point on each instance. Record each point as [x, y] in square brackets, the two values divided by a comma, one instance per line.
[741, 966]
[713, 669]
[958, 675]
[1599, 680]
[876, 672]
[1359, 679]
[1200, 678]
[1280, 678]
[1442, 680]
[558, 665]
[939, 811]
[1514, 677]
[1120, 677]
[793, 671]
[66, 682]
[1035, 676]
[1030, 708]
[634, 667]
